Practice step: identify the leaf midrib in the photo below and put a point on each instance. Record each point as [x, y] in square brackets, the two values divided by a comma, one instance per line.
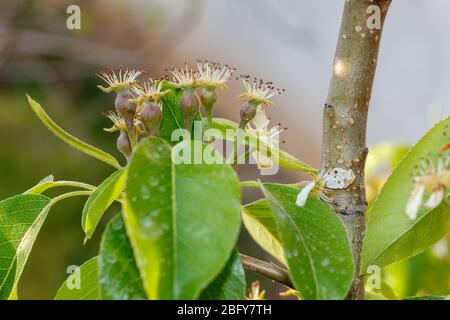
[304, 243]
[174, 231]
[173, 115]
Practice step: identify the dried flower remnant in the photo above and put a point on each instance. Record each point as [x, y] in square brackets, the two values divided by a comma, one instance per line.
[118, 122]
[149, 105]
[431, 178]
[258, 93]
[211, 76]
[122, 85]
[333, 179]
[150, 90]
[255, 292]
[123, 142]
[186, 79]
[122, 82]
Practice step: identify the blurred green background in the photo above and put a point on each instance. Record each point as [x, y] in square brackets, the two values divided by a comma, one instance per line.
[29, 152]
[57, 66]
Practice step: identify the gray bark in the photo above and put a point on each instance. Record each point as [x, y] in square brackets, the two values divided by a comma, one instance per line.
[345, 118]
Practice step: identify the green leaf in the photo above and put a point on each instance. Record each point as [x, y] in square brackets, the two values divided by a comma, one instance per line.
[172, 118]
[229, 284]
[285, 159]
[69, 139]
[183, 220]
[88, 286]
[288, 161]
[260, 223]
[390, 235]
[20, 220]
[119, 275]
[100, 200]
[315, 242]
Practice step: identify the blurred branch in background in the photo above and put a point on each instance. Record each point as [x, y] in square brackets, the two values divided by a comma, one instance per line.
[22, 41]
[8, 31]
[269, 270]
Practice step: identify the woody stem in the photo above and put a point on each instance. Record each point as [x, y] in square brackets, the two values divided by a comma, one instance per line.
[267, 269]
[345, 117]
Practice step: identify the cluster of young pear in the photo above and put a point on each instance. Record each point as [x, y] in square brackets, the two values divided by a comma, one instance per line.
[138, 104]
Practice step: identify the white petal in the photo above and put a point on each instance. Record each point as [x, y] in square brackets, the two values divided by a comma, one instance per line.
[303, 195]
[338, 178]
[260, 121]
[414, 201]
[435, 199]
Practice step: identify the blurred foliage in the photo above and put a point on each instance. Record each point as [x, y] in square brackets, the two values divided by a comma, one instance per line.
[427, 273]
[382, 159]
[30, 152]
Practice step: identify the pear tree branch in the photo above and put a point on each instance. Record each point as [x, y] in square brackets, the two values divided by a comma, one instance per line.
[267, 269]
[345, 116]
